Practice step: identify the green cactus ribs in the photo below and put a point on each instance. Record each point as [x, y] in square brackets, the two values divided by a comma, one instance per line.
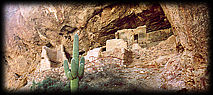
[76, 72]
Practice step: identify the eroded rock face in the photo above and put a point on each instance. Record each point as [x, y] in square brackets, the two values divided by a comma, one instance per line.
[21, 48]
[28, 27]
[190, 23]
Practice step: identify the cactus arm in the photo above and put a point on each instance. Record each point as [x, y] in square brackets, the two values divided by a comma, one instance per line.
[66, 67]
[81, 68]
[67, 70]
[74, 68]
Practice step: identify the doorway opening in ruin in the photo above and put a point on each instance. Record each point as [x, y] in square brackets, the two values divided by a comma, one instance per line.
[136, 38]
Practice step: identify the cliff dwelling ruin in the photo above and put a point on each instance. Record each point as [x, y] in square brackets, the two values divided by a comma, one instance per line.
[140, 36]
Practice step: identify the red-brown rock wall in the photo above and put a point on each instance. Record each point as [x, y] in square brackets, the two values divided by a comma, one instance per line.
[28, 27]
[190, 23]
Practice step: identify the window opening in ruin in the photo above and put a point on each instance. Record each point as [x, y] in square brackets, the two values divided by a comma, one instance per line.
[81, 52]
[136, 38]
[103, 49]
[49, 45]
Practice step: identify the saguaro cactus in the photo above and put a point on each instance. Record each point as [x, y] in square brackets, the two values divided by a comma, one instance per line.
[76, 72]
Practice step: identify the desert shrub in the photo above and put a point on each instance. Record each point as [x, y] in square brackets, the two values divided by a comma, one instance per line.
[50, 84]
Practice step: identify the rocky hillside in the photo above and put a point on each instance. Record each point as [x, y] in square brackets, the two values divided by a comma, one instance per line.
[29, 27]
